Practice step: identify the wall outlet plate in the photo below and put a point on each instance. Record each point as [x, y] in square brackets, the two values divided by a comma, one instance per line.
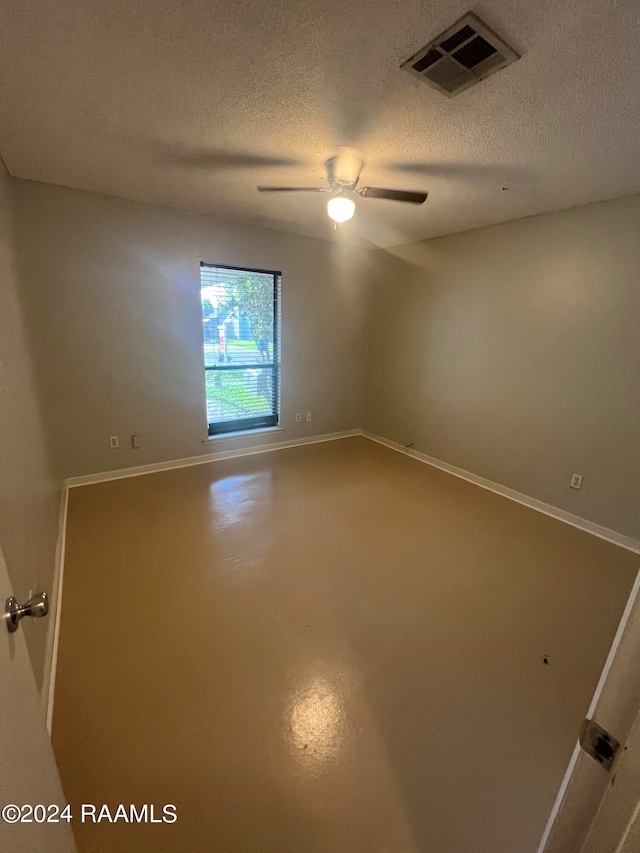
[114, 441]
[298, 417]
[576, 481]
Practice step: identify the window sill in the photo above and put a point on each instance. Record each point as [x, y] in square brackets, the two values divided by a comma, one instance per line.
[245, 433]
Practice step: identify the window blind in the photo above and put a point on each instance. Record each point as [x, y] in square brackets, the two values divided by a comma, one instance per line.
[241, 331]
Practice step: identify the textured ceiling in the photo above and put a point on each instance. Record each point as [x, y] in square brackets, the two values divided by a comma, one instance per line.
[191, 103]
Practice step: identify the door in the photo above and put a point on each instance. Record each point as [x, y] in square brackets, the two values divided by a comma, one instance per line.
[616, 828]
[597, 811]
[29, 775]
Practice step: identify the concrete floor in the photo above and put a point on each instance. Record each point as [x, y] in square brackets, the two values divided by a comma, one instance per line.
[326, 649]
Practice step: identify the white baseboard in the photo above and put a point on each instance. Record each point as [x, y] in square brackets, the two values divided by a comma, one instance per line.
[561, 515]
[204, 458]
[53, 634]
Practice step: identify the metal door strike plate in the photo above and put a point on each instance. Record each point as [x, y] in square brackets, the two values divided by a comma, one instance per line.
[599, 744]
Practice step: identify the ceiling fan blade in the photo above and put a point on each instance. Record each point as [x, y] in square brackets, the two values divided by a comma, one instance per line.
[292, 190]
[217, 159]
[410, 196]
[212, 159]
[461, 171]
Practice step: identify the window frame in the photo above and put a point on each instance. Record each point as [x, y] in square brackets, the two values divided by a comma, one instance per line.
[218, 429]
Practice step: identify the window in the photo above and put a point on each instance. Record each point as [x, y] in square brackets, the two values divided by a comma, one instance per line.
[241, 325]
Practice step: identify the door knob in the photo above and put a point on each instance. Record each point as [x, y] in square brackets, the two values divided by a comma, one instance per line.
[37, 606]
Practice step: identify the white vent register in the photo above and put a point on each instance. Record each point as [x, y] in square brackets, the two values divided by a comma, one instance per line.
[460, 57]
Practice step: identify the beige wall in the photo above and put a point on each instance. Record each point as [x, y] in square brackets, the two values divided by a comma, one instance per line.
[513, 352]
[114, 301]
[30, 487]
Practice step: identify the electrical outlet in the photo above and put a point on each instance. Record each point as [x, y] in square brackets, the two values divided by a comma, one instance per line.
[114, 441]
[308, 417]
[298, 417]
[576, 481]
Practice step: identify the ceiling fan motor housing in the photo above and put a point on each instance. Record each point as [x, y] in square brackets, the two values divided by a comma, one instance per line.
[343, 173]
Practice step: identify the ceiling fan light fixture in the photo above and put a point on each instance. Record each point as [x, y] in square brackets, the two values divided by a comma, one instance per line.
[340, 208]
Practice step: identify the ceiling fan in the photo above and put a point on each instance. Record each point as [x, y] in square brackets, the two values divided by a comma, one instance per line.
[343, 176]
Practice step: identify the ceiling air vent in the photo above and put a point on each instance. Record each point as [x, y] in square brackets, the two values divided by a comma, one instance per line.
[460, 57]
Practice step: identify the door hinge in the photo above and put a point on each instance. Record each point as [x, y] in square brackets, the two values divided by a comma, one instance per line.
[599, 744]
